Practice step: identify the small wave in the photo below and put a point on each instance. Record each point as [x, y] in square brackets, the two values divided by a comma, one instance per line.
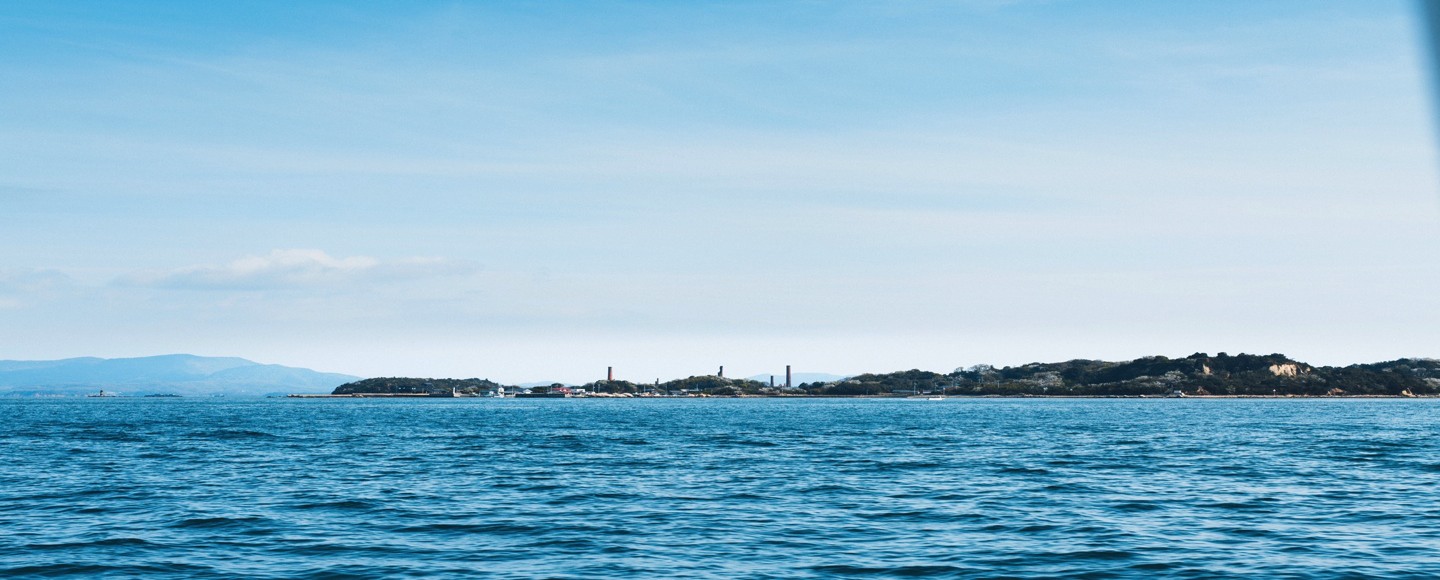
[577, 545]
[1238, 505]
[1097, 555]
[1136, 506]
[921, 516]
[98, 570]
[905, 571]
[349, 504]
[738, 442]
[1067, 488]
[606, 495]
[106, 543]
[336, 548]
[1358, 457]
[903, 465]
[499, 529]
[829, 488]
[1248, 532]
[1154, 566]
[230, 434]
[1369, 516]
[1023, 470]
[109, 436]
[217, 522]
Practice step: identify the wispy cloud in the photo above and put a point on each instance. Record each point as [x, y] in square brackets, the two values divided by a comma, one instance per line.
[19, 287]
[294, 268]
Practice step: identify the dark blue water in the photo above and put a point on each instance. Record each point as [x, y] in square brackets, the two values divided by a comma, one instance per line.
[720, 488]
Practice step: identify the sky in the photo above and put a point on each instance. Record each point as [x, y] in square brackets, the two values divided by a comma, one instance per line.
[535, 191]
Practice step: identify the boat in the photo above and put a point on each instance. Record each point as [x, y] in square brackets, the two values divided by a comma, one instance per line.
[941, 396]
[104, 393]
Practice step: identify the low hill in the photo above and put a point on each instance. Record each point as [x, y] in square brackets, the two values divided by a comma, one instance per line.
[1197, 374]
[179, 374]
[409, 385]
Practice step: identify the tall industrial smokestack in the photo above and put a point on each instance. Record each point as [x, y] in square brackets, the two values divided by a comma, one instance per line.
[787, 376]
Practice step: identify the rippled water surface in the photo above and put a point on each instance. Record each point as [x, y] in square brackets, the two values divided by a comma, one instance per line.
[731, 488]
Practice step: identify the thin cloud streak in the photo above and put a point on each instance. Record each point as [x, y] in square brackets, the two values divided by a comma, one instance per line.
[24, 286]
[296, 269]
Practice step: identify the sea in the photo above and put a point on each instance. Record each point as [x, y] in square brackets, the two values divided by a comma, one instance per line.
[719, 488]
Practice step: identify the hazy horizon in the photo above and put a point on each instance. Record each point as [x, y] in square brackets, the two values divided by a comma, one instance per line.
[536, 192]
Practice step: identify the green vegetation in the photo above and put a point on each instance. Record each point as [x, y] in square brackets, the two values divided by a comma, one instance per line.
[397, 385]
[1197, 374]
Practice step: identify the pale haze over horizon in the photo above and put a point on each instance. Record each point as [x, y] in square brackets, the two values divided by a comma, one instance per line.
[536, 191]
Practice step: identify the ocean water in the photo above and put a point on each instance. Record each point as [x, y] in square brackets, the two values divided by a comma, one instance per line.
[723, 488]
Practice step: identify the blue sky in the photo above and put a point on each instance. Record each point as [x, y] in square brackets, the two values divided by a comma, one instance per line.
[532, 191]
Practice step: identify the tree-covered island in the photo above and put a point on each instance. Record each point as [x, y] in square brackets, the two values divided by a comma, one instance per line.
[1199, 374]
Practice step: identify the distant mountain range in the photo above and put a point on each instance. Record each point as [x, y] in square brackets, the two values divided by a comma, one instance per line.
[178, 374]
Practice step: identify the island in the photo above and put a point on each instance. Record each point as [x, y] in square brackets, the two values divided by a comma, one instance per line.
[1197, 375]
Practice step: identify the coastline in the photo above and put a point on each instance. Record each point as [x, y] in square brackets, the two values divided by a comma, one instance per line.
[876, 397]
